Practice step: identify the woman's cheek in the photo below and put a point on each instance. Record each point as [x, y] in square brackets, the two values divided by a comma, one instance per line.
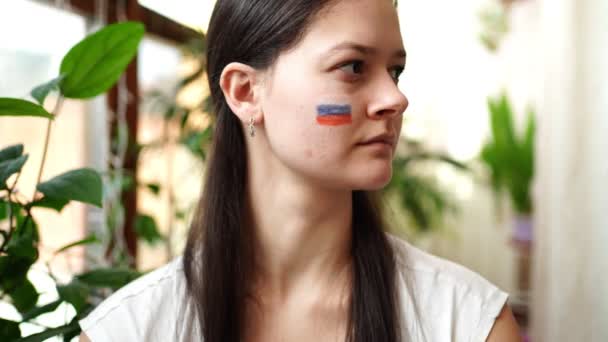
[334, 114]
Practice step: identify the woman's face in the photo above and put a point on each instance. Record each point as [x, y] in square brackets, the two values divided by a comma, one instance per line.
[336, 90]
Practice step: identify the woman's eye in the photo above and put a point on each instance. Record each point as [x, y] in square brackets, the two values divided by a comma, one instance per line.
[352, 67]
[396, 72]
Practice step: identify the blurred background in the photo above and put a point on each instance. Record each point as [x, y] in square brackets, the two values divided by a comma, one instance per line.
[502, 165]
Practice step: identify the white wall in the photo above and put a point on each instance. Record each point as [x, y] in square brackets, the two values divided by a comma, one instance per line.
[571, 268]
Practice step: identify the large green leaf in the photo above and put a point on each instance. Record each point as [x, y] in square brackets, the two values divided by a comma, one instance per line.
[489, 155]
[3, 209]
[501, 120]
[95, 64]
[75, 293]
[82, 185]
[10, 167]
[40, 92]
[86, 241]
[39, 310]
[18, 107]
[23, 247]
[527, 147]
[11, 152]
[26, 225]
[69, 335]
[9, 330]
[114, 278]
[14, 271]
[24, 241]
[14, 282]
[4, 264]
[510, 159]
[51, 203]
[24, 296]
[146, 228]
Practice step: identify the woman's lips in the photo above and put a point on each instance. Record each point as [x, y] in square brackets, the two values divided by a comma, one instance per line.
[378, 146]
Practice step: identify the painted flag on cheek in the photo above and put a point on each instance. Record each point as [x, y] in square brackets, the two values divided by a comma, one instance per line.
[334, 115]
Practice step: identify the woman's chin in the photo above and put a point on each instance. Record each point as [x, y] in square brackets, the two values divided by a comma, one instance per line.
[375, 180]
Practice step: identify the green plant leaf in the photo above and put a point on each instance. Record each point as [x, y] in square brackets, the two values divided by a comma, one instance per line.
[9, 330]
[39, 310]
[4, 264]
[208, 104]
[114, 278]
[14, 271]
[95, 64]
[15, 284]
[24, 296]
[170, 112]
[26, 225]
[196, 140]
[184, 119]
[3, 209]
[75, 293]
[40, 92]
[200, 71]
[82, 185]
[43, 336]
[154, 188]
[51, 203]
[412, 203]
[86, 241]
[501, 124]
[22, 246]
[127, 182]
[437, 157]
[180, 215]
[527, 146]
[18, 107]
[11, 152]
[70, 334]
[24, 240]
[146, 228]
[10, 167]
[509, 158]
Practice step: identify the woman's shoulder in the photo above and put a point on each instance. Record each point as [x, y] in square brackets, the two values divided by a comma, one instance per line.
[143, 310]
[443, 300]
[425, 265]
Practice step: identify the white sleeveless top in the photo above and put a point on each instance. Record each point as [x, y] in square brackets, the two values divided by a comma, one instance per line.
[440, 301]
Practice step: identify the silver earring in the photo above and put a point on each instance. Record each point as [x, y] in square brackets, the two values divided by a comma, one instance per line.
[251, 127]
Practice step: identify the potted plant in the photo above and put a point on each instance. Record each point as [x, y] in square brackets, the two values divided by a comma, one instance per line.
[510, 160]
[89, 69]
[417, 194]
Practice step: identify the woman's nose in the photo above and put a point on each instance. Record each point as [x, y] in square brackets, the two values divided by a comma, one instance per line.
[388, 102]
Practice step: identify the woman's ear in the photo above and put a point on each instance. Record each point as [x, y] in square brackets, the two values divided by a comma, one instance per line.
[239, 83]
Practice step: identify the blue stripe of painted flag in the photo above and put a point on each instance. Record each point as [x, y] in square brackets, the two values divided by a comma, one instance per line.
[333, 110]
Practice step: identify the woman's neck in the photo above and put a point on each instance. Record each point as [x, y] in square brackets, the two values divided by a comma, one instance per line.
[302, 239]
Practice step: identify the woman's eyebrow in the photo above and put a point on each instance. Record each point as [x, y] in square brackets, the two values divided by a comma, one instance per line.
[366, 50]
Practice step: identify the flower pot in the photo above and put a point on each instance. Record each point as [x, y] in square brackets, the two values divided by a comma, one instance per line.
[522, 229]
[522, 240]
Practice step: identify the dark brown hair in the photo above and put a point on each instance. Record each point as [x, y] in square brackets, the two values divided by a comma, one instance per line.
[219, 252]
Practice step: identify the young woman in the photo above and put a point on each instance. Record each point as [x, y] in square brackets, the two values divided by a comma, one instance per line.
[288, 243]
